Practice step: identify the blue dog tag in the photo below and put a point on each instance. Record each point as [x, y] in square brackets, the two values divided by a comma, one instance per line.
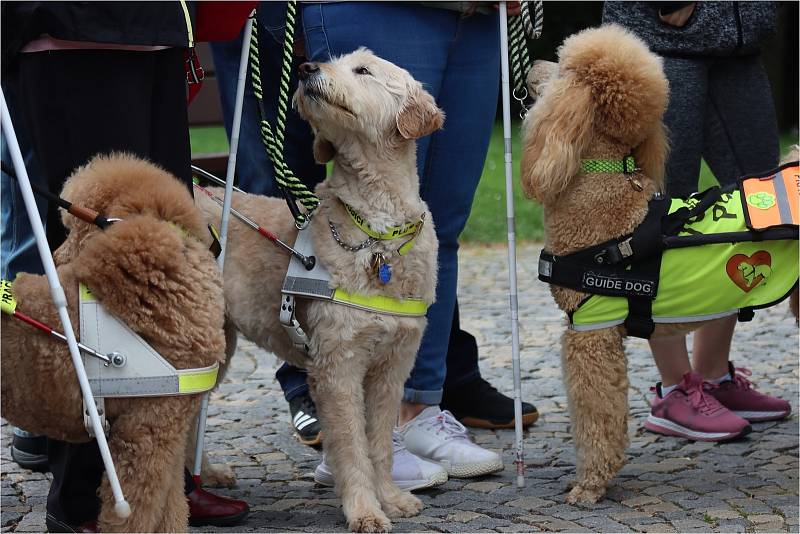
[384, 273]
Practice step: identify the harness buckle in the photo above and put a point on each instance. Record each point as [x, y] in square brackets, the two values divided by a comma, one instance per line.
[625, 248]
[292, 326]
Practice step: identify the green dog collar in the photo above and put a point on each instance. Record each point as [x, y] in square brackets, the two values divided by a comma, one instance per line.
[626, 165]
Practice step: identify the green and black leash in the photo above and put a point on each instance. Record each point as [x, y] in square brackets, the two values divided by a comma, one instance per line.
[518, 28]
[292, 188]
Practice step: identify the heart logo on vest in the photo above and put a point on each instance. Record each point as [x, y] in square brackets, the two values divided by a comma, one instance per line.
[749, 271]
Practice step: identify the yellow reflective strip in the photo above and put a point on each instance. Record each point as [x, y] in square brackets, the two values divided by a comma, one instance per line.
[7, 301]
[392, 233]
[188, 18]
[197, 380]
[383, 304]
[405, 247]
[86, 294]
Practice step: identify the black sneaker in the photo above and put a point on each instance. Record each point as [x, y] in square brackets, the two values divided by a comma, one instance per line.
[479, 404]
[29, 450]
[304, 420]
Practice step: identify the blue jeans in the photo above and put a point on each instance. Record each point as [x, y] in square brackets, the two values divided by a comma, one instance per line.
[18, 252]
[254, 169]
[458, 61]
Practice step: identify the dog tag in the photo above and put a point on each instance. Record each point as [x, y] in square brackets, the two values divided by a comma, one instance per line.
[383, 269]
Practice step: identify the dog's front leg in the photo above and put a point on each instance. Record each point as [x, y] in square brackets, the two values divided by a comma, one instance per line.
[595, 372]
[147, 443]
[336, 384]
[383, 388]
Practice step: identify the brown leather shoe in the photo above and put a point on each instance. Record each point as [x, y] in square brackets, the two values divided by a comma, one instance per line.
[205, 508]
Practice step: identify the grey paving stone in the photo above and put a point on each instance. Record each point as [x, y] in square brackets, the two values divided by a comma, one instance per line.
[668, 484]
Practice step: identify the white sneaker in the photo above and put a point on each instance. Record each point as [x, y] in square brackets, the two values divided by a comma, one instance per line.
[437, 436]
[409, 472]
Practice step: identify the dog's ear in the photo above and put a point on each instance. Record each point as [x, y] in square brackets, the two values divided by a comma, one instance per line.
[133, 264]
[556, 132]
[418, 116]
[651, 154]
[323, 149]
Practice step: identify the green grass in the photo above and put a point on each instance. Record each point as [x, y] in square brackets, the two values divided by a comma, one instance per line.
[487, 222]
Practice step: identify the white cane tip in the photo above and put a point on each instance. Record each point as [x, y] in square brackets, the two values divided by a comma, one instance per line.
[123, 509]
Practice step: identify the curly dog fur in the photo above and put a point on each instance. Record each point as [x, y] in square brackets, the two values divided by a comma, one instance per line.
[358, 360]
[603, 100]
[166, 287]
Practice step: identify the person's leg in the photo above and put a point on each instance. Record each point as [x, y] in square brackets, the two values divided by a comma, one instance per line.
[67, 125]
[470, 397]
[422, 40]
[684, 118]
[417, 39]
[254, 168]
[741, 137]
[104, 101]
[681, 407]
[18, 252]
[302, 410]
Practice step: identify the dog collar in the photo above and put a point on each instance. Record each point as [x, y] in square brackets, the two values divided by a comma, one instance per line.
[626, 165]
[393, 232]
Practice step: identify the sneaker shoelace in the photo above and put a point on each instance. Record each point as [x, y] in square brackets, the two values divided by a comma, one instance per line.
[445, 423]
[740, 380]
[398, 443]
[700, 398]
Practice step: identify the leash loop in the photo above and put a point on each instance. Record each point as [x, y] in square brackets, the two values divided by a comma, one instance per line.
[519, 28]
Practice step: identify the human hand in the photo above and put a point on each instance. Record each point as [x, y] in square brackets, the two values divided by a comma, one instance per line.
[678, 18]
[512, 8]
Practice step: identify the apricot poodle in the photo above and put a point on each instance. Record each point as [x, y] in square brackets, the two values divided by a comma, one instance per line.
[604, 100]
[153, 271]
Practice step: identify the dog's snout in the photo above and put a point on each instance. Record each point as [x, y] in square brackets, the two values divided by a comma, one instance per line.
[307, 70]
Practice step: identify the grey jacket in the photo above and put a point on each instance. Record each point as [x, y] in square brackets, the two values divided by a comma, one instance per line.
[715, 28]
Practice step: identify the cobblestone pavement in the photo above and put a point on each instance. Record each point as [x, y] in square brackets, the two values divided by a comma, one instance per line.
[668, 485]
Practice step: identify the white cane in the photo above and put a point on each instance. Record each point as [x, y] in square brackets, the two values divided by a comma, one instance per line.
[121, 506]
[512, 244]
[226, 214]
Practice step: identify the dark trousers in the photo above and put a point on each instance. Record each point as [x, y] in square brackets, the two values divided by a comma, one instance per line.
[78, 103]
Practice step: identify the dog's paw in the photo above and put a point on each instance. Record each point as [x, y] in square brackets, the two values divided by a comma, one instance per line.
[370, 522]
[401, 504]
[218, 476]
[580, 494]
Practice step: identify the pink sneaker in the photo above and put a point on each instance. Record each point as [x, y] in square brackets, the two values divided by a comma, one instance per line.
[690, 411]
[738, 396]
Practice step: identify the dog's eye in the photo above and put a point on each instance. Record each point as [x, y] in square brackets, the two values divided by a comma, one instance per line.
[362, 70]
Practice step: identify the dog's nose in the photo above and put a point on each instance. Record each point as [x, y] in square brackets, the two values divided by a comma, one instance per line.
[307, 70]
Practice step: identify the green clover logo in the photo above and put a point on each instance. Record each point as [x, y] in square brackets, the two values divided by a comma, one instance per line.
[761, 200]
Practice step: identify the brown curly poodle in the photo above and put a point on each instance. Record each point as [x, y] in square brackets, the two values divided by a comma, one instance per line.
[603, 101]
[606, 100]
[153, 270]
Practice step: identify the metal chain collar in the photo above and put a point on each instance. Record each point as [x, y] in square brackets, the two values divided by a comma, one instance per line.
[350, 248]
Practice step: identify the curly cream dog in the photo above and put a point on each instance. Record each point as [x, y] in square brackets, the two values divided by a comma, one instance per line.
[152, 270]
[366, 113]
[604, 101]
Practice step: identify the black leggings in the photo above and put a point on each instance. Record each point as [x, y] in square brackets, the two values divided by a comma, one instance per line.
[78, 103]
[720, 109]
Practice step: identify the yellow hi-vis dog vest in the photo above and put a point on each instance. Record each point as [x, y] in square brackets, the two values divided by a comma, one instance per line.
[739, 252]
